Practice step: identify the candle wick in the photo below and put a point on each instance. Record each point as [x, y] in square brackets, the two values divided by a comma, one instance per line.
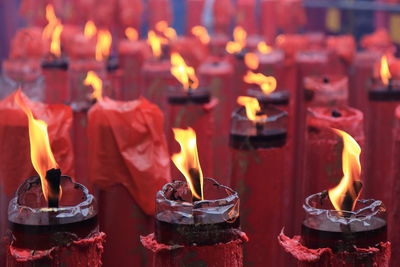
[53, 177]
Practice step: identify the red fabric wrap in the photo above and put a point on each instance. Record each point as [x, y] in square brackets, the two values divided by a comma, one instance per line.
[222, 13]
[246, 16]
[201, 119]
[129, 163]
[194, 14]
[218, 255]
[157, 78]
[131, 58]
[344, 46]
[127, 147]
[82, 253]
[394, 218]
[217, 76]
[262, 179]
[16, 161]
[28, 43]
[324, 257]
[159, 10]
[379, 41]
[379, 151]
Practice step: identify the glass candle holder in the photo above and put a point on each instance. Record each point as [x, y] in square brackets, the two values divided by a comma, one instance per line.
[34, 226]
[265, 133]
[179, 221]
[324, 227]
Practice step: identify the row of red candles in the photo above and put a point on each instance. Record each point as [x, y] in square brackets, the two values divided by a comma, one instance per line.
[204, 124]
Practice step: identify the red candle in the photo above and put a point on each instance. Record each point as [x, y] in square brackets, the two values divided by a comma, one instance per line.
[246, 16]
[194, 14]
[222, 13]
[217, 76]
[132, 54]
[128, 166]
[15, 141]
[269, 19]
[197, 220]
[159, 10]
[261, 174]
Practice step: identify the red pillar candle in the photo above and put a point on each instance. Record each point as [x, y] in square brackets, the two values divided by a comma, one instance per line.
[195, 109]
[273, 64]
[383, 99]
[194, 14]
[128, 165]
[261, 174]
[55, 75]
[290, 15]
[203, 232]
[15, 142]
[81, 101]
[159, 10]
[361, 77]
[222, 13]
[132, 55]
[269, 19]
[217, 75]
[325, 172]
[394, 231]
[157, 78]
[218, 43]
[328, 90]
[68, 235]
[246, 16]
[346, 238]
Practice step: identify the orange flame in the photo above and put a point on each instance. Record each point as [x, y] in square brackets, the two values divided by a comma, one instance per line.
[384, 71]
[266, 83]
[201, 33]
[90, 29]
[169, 32]
[252, 108]
[41, 155]
[183, 73]
[155, 43]
[263, 48]
[97, 84]
[346, 193]
[239, 41]
[187, 161]
[53, 30]
[103, 45]
[132, 34]
[251, 61]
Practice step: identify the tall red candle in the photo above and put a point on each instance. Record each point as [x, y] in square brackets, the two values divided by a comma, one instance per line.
[194, 14]
[246, 16]
[159, 10]
[217, 75]
[261, 174]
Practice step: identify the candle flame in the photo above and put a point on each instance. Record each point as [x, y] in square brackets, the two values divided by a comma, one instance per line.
[252, 108]
[266, 83]
[97, 84]
[187, 161]
[169, 32]
[384, 71]
[52, 31]
[103, 45]
[132, 34]
[344, 196]
[155, 43]
[201, 33]
[263, 48]
[41, 155]
[251, 61]
[90, 29]
[239, 41]
[182, 72]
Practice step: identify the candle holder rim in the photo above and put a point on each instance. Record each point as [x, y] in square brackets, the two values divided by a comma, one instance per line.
[374, 207]
[272, 118]
[89, 198]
